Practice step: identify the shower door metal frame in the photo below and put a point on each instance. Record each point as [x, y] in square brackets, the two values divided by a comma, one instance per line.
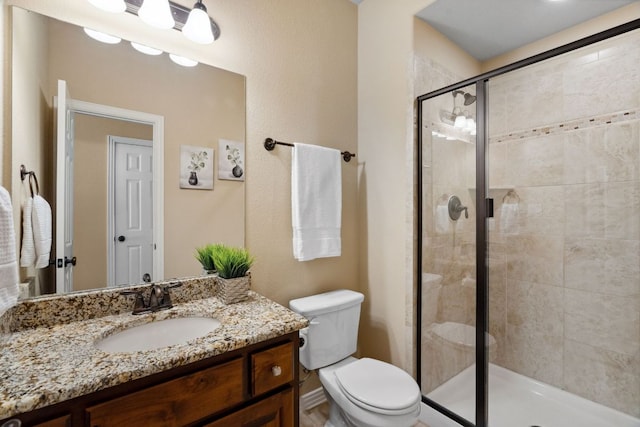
[483, 211]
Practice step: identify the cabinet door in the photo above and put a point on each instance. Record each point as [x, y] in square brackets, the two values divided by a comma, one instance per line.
[274, 411]
[176, 402]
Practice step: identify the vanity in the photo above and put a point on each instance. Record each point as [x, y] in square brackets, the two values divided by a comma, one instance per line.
[243, 372]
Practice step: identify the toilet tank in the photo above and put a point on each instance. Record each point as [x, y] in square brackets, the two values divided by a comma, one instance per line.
[332, 334]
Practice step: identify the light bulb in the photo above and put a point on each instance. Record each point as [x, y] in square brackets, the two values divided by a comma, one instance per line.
[470, 125]
[198, 25]
[113, 6]
[146, 49]
[181, 60]
[157, 13]
[102, 37]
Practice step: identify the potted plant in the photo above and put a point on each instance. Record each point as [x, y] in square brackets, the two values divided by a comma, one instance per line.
[204, 255]
[233, 273]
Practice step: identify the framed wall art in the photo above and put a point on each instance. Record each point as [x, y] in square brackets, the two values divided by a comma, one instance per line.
[196, 167]
[231, 160]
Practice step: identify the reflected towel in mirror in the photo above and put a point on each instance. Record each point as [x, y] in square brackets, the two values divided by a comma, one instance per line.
[37, 233]
[8, 258]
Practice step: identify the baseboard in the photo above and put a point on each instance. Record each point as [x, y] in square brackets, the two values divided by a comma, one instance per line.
[312, 399]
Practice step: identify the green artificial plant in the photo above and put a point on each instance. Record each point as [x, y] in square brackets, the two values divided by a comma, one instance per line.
[232, 262]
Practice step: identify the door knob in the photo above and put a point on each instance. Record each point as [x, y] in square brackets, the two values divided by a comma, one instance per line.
[121, 238]
[71, 261]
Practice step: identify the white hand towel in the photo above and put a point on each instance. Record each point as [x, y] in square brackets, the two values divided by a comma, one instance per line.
[28, 250]
[442, 219]
[41, 222]
[8, 260]
[316, 202]
[509, 218]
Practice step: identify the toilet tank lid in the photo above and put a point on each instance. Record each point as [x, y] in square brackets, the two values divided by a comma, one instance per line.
[326, 302]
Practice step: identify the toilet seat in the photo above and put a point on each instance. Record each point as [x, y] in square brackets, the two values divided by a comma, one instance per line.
[378, 387]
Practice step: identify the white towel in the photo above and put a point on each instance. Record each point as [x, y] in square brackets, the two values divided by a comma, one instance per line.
[442, 219]
[28, 250]
[509, 218]
[41, 222]
[316, 202]
[8, 260]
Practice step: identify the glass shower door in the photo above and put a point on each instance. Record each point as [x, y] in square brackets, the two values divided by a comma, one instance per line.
[448, 261]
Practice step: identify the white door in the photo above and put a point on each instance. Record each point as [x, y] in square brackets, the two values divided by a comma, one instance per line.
[64, 190]
[132, 210]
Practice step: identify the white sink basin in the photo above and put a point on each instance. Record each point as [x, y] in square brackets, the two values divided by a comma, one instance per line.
[158, 334]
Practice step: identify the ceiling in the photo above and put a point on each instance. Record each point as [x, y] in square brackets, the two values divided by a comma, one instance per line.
[487, 28]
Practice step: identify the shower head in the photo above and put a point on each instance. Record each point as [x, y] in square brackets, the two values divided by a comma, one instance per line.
[468, 98]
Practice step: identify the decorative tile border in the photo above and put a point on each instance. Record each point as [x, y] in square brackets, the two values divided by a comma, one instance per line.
[585, 123]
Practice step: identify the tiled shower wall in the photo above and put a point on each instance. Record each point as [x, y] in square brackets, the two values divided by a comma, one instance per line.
[565, 274]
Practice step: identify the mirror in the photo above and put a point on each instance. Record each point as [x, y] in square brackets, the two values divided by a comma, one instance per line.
[200, 106]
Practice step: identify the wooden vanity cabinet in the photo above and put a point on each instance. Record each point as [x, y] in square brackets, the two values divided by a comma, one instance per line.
[254, 386]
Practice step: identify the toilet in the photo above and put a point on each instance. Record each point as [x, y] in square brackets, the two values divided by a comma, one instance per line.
[448, 347]
[361, 392]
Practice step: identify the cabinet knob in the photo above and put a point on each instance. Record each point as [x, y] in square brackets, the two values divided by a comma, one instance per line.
[276, 371]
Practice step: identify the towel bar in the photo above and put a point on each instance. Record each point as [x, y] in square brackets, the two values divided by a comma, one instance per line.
[270, 144]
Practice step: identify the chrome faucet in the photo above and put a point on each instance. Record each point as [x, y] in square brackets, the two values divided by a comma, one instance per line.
[159, 298]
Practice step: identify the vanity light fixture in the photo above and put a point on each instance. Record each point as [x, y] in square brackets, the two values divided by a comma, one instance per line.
[113, 6]
[167, 14]
[198, 25]
[181, 60]
[157, 13]
[102, 37]
[146, 49]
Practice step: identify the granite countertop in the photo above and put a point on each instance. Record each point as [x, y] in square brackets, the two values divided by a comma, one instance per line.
[53, 362]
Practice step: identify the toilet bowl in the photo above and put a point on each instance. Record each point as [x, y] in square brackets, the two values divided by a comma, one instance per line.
[357, 397]
[361, 392]
[449, 348]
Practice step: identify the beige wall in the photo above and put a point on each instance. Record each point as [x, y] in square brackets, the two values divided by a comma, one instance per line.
[300, 63]
[31, 121]
[91, 190]
[385, 177]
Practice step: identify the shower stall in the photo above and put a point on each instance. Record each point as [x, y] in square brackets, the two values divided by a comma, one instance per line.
[529, 240]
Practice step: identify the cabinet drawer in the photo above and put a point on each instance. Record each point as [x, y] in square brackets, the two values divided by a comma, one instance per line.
[176, 402]
[271, 368]
[64, 421]
[274, 411]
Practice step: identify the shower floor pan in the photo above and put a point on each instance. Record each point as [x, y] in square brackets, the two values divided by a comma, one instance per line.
[519, 401]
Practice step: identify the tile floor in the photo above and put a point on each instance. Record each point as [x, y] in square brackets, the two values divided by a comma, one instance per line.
[315, 417]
